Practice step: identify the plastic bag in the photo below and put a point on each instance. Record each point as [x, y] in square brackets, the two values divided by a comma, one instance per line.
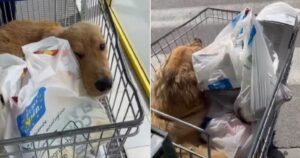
[220, 105]
[219, 66]
[236, 41]
[257, 95]
[258, 85]
[11, 70]
[228, 133]
[218, 69]
[46, 95]
[249, 65]
[279, 12]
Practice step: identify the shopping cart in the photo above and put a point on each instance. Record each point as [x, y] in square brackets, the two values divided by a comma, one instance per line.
[122, 104]
[206, 25]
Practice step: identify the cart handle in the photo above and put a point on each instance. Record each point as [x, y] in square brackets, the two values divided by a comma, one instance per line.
[186, 124]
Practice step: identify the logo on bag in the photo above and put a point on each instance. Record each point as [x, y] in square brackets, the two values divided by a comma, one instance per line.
[235, 20]
[252, 34]
[47, 52]
[223, 84]
[32, 113]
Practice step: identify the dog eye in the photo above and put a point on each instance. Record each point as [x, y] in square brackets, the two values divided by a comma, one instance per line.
[78, 55]
[102, 46]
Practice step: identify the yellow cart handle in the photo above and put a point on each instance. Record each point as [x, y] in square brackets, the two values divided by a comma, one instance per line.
[139, 71]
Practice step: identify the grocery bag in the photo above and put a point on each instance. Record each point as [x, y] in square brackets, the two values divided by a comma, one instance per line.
[45, 94]
[239, 57]
[219, 66]
[279, 12]
[228, 133]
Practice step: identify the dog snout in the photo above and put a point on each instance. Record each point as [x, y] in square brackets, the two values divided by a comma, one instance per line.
[104, 84]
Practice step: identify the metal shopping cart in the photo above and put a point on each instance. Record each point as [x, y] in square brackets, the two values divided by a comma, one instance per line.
[122, 104]
[206, 25]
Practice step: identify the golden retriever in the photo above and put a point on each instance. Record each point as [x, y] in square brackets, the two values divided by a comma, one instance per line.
[175, 92]
[86, 41]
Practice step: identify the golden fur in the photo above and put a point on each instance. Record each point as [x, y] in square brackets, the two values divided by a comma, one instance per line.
[84, 38]
[175, 93]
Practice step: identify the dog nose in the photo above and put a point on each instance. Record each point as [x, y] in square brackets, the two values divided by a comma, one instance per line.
[104, 84]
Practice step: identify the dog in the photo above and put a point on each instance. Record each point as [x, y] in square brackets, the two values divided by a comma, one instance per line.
[175, 92]
[86, 41]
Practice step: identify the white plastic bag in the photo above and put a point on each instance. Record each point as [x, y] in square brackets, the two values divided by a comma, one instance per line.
[11, 71]
[228, 133]
[48, 97]
[219, 66]
[259, 79]
[279, 12]
[256, 96]
[215, 70]
[249, 65]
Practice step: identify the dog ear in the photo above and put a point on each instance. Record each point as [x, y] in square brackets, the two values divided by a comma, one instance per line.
[196, 42]
[77, 47]
[75, 44]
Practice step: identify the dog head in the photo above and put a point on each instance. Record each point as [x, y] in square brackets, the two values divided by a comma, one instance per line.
[89, 46]
[175, 90]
